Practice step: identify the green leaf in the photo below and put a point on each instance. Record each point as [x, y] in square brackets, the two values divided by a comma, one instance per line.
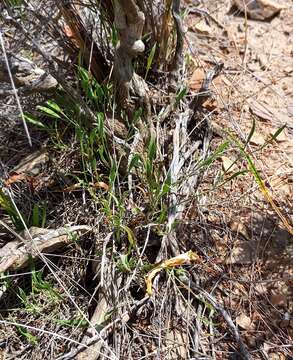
[130, 235]
[217, 153]
[251, 132]
[25, 333]
[33, 120]
[181, 95]
[278, 132]
[125, 262]
[52, 109]
[134, 162]
[36, 215]
[152, 150]
[150, 59]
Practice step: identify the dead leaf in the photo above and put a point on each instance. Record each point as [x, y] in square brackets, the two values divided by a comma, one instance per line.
[281, 184]
[257, 139]
[181, 259]
[28, 168]
[243, 252]
[79, 186]
[15, 178]
[239, 228]
[261, 110]
[260, 288]
[176, 341]
[244, 322]
[269, 113]
[277, 356]
[278, 300]
[228, 164]
[196, 79]
[202, 27]
[101, 185]
[210, 104]
[259, 9]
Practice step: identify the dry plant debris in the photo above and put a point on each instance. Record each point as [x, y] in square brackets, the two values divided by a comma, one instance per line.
[151, 217]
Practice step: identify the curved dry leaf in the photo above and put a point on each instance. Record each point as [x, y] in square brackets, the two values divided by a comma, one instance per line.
[182, 259]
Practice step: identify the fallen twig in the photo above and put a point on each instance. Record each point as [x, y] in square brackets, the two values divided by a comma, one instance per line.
[15, 255]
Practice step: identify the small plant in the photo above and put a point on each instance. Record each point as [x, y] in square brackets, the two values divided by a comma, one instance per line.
[9, 208]
[39, 214]
[39, 285]
[74, 322]
[32, 339]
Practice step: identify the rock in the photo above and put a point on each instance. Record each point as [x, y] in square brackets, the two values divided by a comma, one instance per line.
[259, 9]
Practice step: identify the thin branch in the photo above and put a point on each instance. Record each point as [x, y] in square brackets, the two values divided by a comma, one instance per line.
[14, 90]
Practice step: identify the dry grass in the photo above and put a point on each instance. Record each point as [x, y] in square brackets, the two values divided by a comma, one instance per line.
[93, 292]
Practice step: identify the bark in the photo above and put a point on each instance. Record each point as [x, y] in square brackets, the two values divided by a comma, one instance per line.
[131, 89]
[82, 40]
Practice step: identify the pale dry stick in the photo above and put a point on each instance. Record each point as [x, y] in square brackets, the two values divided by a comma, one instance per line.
[212, 336]
[105, 243]
[14, 90]
[180, 141]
